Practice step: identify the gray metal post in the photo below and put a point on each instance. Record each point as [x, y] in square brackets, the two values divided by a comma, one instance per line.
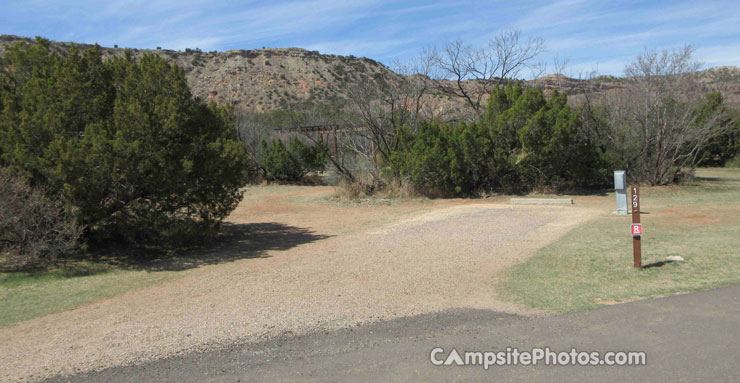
[620, 187]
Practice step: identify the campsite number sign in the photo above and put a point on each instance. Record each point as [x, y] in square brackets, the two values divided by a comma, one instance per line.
[636, 228]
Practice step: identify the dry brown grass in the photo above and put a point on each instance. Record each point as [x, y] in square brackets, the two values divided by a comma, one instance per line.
[399, 189]
[364, 188]
[350, 191]
[592, 265]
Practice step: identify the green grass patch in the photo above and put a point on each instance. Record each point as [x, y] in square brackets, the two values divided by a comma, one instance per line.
[592, 265]
[25, 295]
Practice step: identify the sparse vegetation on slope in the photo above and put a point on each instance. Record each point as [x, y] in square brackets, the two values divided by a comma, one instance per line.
[241, 77]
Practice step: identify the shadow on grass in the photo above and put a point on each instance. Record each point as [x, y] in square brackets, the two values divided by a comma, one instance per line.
[234, 242]
[657, 264]
[715, 179]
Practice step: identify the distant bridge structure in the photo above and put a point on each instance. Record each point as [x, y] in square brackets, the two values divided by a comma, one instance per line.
[321, 130]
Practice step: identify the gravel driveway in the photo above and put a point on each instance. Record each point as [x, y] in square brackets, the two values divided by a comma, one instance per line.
[435, 258]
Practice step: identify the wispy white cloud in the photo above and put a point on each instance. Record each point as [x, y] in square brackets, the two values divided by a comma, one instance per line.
[591, 33]
[692, 10]
[719, 55]
[557, 13]
[125, 8]
[630, 40]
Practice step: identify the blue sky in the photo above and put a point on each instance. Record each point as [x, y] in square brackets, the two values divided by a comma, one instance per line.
[592, 35]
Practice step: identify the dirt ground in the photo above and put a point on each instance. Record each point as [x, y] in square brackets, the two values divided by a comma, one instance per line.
[305, 264]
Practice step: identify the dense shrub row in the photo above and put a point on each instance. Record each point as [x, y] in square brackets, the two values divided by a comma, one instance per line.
[523, 141]
[722, 147]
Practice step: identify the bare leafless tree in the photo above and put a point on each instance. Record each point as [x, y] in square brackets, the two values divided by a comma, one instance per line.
[536, 70]
[252, 129]
[34, 230]
[336, 129]
[385, 104]
[471, 73]
[559, 66]
[654, 122]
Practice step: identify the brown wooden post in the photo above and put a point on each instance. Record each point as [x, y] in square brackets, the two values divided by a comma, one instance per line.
[636, 245]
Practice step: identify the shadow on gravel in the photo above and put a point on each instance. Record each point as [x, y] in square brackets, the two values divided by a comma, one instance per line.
[240, 241]
[236, 241]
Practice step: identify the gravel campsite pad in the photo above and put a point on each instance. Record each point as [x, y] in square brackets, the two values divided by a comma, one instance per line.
[329, 266]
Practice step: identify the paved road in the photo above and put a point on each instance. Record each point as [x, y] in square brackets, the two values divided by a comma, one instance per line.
[687, 338]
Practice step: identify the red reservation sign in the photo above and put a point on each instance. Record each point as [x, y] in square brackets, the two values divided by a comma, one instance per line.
[636, 229]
